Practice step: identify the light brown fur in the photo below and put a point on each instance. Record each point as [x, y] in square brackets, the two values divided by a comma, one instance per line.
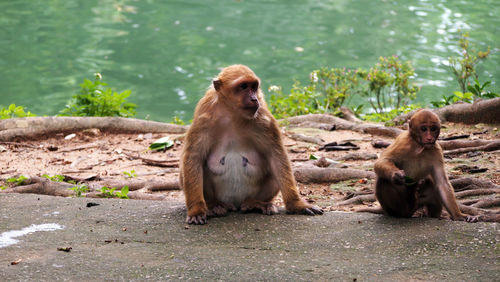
[416, 154]
[233, 154]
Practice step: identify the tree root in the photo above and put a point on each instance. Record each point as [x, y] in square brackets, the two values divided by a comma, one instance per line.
[493, 146]
[323, 175]
[481, 111]
[138, 189]
[33, 127]
[340, 123]
[476, 192]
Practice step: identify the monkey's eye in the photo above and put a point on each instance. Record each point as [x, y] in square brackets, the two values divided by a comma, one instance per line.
[255, 86]
[433, 128]
[423, 128]
[244, 86]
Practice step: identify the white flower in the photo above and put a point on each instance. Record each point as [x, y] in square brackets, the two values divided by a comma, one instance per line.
[274, 88]
[314, 76]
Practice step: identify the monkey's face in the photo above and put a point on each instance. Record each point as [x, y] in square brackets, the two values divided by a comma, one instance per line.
[239, 88]
[246, 92]
[425, 128]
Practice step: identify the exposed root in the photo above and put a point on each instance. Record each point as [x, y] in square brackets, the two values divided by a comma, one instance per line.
[324, 175]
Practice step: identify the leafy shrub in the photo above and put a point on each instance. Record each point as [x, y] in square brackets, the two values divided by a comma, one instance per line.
[388, 116]
[97, 100]
[13, 111]
[386, 86]
[389, 84]
[328, 89]
[464, 66]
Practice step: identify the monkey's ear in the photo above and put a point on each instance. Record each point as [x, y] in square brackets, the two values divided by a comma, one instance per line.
[217, 84]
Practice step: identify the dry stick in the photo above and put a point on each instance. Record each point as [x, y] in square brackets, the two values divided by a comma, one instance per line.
[476, 192]
[20, 144]
[83, 147]
[495, 145]
[160, 163]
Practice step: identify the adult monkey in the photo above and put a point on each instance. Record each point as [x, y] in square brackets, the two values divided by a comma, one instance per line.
[233, 154]
[415, 154]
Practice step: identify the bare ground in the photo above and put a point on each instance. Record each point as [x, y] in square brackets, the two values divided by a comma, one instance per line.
[92, 154]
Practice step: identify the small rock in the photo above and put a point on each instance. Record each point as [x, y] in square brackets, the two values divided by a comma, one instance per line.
[69, 137]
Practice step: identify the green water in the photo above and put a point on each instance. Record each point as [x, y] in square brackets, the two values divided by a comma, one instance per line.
[166, 52]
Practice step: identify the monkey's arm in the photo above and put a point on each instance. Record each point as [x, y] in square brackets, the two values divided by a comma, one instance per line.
[446, 191]
[282, 176]
[191, 175]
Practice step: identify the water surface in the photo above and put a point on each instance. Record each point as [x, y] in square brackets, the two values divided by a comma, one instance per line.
[166, 52]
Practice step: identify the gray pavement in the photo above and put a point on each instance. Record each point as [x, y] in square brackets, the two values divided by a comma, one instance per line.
[125, 240]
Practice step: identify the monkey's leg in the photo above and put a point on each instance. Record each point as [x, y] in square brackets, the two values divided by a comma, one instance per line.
[428, 196]
[217, 208]
[266, 207]
[396, 200]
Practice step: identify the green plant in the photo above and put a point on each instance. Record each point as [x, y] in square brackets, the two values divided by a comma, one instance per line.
[464, 66]
[476, 91]
[328, 89]
[178, 120]
[107, 192]
[3, 187]
[56, 178]
[389, 85]
[19, 180]
[130, 174]
[79, 189]
[123, 193]
[388, 116]
[479, 92]
[95, 99]
[13, 111]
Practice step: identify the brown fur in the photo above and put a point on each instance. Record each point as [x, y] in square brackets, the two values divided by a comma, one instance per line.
[417, 155]
[233, 154]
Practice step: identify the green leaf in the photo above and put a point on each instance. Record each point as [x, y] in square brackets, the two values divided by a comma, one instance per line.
[313, 157]
[161, 144]
[409, 181]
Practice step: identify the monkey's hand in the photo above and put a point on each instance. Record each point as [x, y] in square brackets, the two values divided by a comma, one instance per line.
[398, 177]
[197, 219]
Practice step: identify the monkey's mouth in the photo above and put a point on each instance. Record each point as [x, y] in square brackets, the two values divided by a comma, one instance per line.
[251, 109]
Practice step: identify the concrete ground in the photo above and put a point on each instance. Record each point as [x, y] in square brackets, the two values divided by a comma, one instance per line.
[148, 240]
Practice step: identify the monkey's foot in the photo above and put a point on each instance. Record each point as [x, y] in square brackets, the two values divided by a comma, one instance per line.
[471, 218]
[197, 219]
[264, 207]
[220, 209]
[305, 209]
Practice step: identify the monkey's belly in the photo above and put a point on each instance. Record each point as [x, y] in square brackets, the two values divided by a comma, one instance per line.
[235, 177]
